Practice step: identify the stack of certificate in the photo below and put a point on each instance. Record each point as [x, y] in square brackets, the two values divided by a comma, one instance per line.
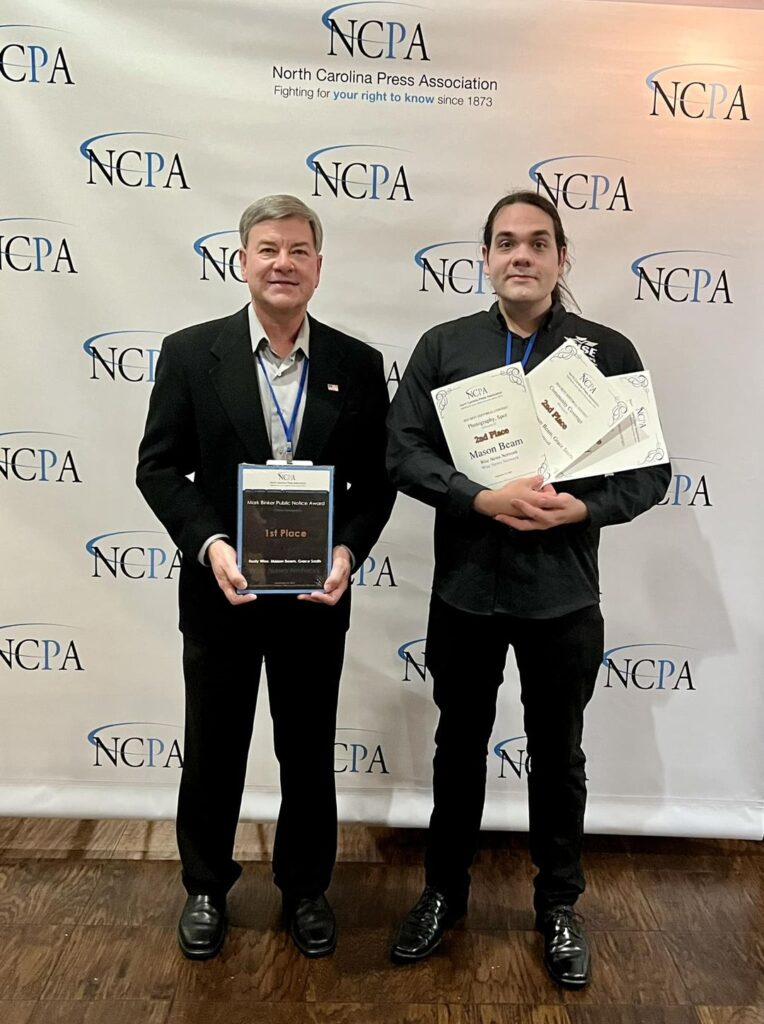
[564, 420]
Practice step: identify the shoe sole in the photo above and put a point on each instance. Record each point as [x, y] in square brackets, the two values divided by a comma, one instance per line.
[413, 958]
[567, 984]
[312, 954]
[195, 954]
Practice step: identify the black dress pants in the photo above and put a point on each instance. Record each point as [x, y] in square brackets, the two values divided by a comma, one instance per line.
[557, 661]
[302, 645]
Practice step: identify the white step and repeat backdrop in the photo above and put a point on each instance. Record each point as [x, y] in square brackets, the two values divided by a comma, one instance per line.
[135, 133]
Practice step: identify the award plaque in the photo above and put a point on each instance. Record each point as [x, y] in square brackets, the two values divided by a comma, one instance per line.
[285, 528]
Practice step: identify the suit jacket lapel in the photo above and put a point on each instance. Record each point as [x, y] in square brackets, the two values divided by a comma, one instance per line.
[233, 377]
[327, 388]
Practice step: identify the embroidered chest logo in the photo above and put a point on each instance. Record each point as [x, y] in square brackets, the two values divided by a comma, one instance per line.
[589, 348]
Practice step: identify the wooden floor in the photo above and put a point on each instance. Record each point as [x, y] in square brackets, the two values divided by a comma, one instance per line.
[88, 912]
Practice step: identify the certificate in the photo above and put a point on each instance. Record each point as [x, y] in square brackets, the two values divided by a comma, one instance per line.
[576, 406]
[285, 528]
[490, 426]
[636, 441]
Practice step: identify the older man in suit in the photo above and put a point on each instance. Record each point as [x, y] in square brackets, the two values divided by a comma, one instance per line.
[251, 387]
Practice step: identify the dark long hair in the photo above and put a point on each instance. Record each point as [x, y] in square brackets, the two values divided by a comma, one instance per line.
[533, 199]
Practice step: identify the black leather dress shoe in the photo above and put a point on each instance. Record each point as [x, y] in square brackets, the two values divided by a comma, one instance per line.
[423, 927]
[310, 922]
[566, 951]
[202, 927]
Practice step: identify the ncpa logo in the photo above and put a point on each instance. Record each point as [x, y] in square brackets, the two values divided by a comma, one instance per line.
[120, 158]
[136, 745]
[133, 554]
[356, 171]
[127, 356]
[580, 182]
[26, 245]
[455, 267]
[412, 654]
[374, 572]
[689, 484]
[220, 256]
[39, 647]
[32, 57]
[513, 757]
[375, 30]
[682, 275]
[357, 754]
[28, 459]
[687, 90]
[648, 667]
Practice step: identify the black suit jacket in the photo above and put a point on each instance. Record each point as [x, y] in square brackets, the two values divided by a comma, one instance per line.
[205, 417]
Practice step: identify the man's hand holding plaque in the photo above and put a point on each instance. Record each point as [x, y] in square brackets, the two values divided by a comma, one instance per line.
[336, 583]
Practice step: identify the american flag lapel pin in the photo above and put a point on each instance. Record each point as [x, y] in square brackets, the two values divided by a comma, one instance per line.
[332, 387]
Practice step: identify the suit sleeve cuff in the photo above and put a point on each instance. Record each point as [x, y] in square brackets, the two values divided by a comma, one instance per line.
[202, 556]
[462, 493]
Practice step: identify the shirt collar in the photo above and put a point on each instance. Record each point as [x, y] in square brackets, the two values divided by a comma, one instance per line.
[555, 312]
[257, 334]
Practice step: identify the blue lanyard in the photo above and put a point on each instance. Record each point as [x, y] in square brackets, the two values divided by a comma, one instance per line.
[288, 430]
[526, 354]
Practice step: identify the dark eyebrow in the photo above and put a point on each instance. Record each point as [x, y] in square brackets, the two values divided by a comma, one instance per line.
[539, 233]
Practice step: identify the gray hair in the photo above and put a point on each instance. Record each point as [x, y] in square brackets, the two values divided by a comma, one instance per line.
[278, 208]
